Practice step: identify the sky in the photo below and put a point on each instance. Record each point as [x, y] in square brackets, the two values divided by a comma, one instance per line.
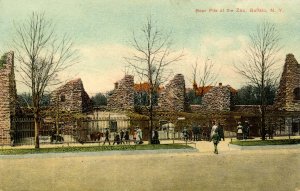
[102, 29]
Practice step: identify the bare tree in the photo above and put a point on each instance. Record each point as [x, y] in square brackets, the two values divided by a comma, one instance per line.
[41, 55]
[261, 57]
[204, 74]
[152, 55]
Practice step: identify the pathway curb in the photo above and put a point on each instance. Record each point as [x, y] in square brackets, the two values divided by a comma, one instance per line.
[101, 153]
[265, 147]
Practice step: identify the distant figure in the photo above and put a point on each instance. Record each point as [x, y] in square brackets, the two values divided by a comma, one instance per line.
[191, 135]
[221, 131]
[127, 136]
[122, 136]
[139, 136]
[239, 133]
[196, 133]
[215, 138]
[96, 136]
[117, 139]
[56, 138]
[12, 137]
[270, 132]
[155, 139]
[246, 130]
[106, 136]
[185, 134]
[134, 135]
[213, 129]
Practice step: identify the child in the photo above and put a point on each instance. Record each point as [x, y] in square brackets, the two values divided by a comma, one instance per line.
[117, 139]
[215, 138]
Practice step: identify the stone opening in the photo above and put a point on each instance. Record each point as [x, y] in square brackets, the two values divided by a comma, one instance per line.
[62, 98]
[297, 94]
[71, 97]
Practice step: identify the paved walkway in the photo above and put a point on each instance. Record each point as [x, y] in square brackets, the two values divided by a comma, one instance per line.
[230, 170]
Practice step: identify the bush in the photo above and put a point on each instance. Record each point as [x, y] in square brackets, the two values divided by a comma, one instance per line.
[17, 151]
[3, 60]
[266, 142]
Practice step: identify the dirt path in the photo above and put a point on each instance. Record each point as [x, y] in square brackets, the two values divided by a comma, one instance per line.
[230, 170]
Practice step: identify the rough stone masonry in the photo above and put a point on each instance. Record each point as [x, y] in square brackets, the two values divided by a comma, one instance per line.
[288, 94]
[217, 99]
[71, 97]
[172, 98]
[8, 95]
[122, 97]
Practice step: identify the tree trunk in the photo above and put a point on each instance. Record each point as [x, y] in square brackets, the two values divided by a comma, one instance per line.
[263, 101]
[36, 131]
[151, 118]
[263, 123]
[36, 111]
[263, 108]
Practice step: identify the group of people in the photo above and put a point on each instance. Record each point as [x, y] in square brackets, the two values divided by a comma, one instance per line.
[243, 131]
[217, 133]
[193, 134]
[121, 137]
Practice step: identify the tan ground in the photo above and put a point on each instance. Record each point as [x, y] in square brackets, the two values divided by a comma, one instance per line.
[277, 169]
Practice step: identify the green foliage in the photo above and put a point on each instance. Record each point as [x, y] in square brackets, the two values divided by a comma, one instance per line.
[250, 95]
[92, 149]
[25, 100]
[99, 99]
[266, 142]
[192, 98]
[3, 60]
[142, 98]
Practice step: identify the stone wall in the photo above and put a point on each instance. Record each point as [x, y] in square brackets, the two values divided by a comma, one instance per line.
[122, 97]
[217, 99]
[172, 98]
[71, 97]
[8, 96]
[290, 80]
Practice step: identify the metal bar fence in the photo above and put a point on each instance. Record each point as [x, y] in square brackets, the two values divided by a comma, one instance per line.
[92, 130]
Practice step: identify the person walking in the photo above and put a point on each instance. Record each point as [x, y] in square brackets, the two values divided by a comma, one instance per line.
[155, 139]
[246, 130]
[185, 134]
[191, 134]
[196, 133]
[127, 137]
[239, 133]
[213, 128]
[122, 136]
[106, 137]
[216, 139]
[139, 136]
[117, 139]
[221, 131]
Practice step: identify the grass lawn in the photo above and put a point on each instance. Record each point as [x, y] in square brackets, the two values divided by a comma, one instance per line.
[266, 142]
[92, 149]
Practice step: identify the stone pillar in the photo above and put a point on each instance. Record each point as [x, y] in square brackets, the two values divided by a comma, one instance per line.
[172, 98]
[7, 96]
[71, 97]
[122, 97]
[217, 99]
[290, 80]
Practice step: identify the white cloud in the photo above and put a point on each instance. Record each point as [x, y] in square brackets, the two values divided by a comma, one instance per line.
[100, 66]
[223, 51]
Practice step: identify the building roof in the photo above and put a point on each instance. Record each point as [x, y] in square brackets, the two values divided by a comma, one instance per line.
[200, 91]
[144, 87]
